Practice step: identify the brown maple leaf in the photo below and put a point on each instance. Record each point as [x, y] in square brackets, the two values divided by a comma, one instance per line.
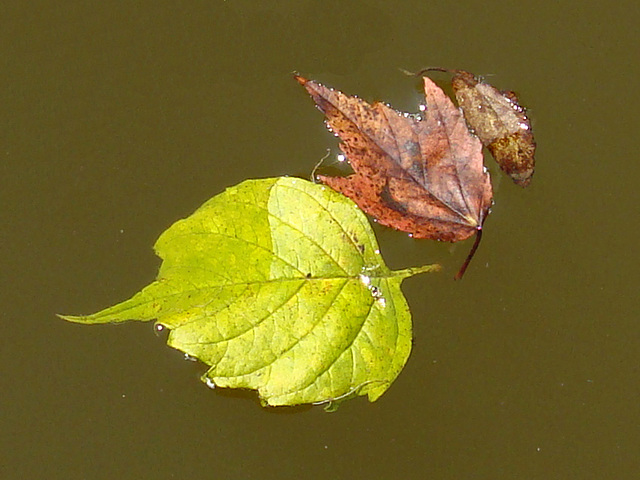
[421, 174]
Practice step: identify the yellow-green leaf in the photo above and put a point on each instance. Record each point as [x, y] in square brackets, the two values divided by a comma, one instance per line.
[278, 285]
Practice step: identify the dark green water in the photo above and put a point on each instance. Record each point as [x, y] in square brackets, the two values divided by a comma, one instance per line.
[116, 121]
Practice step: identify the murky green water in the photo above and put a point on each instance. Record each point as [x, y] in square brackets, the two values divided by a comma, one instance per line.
[116, 121]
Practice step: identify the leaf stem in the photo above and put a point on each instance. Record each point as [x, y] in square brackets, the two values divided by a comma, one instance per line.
[472, 252]
[410, 272]
[420, 73]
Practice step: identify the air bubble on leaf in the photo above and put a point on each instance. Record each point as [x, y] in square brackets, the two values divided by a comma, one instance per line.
[341, 158]
[422, 107]
[210, 383]
[518, 108]
[190, 358]
[366, 281]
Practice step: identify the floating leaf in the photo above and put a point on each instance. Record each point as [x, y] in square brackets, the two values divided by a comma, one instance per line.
[501, 124]
[424, 176]
[278, 285]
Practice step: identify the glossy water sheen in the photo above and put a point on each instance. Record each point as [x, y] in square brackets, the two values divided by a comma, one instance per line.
[116, 121]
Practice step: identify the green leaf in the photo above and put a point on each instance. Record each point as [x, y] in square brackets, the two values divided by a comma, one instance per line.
[278, 285]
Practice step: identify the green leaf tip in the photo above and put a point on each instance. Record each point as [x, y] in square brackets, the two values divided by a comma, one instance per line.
[278, 285]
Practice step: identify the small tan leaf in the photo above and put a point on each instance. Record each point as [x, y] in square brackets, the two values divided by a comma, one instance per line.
[501, 124]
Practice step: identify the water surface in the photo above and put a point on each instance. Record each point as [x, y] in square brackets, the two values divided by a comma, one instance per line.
[119, 120]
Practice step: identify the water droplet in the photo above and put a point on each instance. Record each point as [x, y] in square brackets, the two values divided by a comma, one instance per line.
[524, 126]
[210, 383]
[366, 281]
[190, 358]
[377, 252]
[341, 158]
[422, 108]
[158, 328]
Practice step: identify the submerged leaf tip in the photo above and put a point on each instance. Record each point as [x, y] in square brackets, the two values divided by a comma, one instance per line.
[70, 318]
[300, 79]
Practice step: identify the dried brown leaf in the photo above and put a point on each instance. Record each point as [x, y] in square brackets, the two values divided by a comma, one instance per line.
[423, 176]
[500, 122]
